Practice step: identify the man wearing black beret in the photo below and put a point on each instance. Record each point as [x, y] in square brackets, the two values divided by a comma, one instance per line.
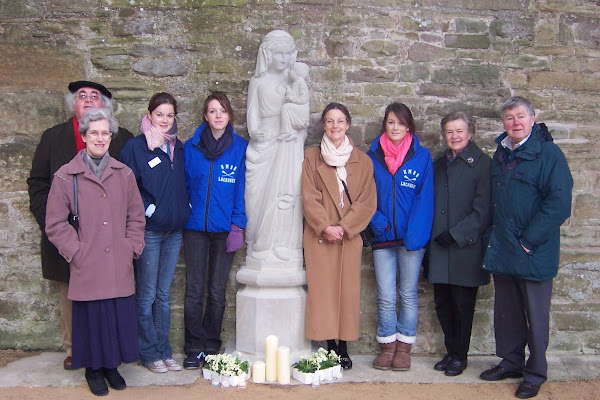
[57, 147]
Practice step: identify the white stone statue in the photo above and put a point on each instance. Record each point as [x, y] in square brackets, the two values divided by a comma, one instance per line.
[277, 118]
[272, 298]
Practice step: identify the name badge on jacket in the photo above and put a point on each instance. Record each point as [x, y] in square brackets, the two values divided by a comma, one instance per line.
[154, 162]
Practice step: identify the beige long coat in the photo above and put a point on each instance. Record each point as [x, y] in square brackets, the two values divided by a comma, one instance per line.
[333, 269]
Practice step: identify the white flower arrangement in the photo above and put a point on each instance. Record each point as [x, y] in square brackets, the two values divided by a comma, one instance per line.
[226, 364]
[320, 360]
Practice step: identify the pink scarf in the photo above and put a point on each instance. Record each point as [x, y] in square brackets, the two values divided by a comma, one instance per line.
[394, 155]
[155, 139]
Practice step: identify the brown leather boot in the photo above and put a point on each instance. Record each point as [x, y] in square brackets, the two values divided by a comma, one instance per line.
[401, 360]
[385, 358]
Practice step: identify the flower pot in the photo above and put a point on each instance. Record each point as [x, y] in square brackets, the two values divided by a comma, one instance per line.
[304, 377]
[206, 374]
[234, 380]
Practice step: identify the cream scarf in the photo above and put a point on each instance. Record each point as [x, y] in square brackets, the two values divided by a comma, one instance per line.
[337, 157]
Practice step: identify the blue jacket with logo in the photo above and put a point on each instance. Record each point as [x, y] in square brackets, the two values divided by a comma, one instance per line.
[216, 187]
[404, 200]
[160, 182]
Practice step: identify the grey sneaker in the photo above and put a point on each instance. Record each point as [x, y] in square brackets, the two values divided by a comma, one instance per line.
[172, 365]
[158, 367]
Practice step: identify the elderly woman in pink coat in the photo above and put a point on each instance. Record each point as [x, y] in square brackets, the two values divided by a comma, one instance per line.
[100, 251]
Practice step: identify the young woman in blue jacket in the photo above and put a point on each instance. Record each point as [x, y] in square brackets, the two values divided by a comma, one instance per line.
[402, 224]
[156, 159]
[215, 159]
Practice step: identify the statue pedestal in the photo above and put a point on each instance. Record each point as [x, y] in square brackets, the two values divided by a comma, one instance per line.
[268, 305]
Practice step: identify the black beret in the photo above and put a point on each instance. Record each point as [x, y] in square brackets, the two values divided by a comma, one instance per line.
[75, 86]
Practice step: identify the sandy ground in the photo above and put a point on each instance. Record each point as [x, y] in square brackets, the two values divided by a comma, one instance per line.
[576, 390]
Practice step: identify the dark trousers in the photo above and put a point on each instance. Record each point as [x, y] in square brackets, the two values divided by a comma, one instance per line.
[454, 306]
[522, 318]
[207, 265]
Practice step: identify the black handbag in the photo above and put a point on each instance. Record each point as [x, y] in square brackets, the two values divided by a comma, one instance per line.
[367, 235]
[74, 217]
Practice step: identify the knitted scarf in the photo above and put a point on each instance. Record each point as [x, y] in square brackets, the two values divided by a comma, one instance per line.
[155, 139]
[337, 157]
[394, 155]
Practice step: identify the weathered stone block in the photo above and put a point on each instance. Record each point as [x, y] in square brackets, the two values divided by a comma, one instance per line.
[378, 48]
[439, 90]
[427, 53]
[110, 58]
[161, 67]
[512, 28]
[467, 25]
[140, 27]
[581, 30]
[575, 322]
[476, 4]
[487, 75]
[26, 67]
[587, 209]
[413, 72]
[387, 89]
[467, 41]
[545, 32]
[21, 9]
[523, 61]
[370, 75]
[547, 79]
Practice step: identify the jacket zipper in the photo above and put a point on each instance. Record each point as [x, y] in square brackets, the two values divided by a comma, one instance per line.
[208, 196]
[394, 205]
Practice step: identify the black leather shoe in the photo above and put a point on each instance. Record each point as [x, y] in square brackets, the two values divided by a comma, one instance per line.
[346, 362]
[96, 382]
[193, 360]
[115, 380]
[456, 367]
[441, 365]
[497, 373]
[527, 390]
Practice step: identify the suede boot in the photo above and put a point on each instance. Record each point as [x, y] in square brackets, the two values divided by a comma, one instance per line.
[384, 359]
[401, 360]
[96, 382]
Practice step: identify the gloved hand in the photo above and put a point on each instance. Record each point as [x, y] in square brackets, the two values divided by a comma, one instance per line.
[445, 239]
[235, 239]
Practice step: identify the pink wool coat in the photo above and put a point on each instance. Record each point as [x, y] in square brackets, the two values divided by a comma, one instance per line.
[111, 228]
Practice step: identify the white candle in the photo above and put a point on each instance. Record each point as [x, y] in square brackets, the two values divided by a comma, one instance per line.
[283, 365]
[271, 344]
[258, 372]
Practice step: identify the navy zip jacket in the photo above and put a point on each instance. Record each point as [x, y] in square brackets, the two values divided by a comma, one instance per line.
[216, 187]
[404, 200]
[160, 182]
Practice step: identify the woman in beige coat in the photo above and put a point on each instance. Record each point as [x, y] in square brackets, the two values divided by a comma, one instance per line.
[332, 226]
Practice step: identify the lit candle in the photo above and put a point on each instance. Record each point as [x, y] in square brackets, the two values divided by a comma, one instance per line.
[283, 365]
[258, 372]
[271, 344]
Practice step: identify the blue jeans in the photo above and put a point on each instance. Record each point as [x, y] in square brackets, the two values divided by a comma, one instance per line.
[390, 262]
[207, 265]
[153, 276]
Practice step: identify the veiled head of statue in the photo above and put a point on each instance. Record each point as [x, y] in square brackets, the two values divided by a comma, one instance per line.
[276, 53]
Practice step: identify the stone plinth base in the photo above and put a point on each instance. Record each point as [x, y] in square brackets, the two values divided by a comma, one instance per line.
[271, 311]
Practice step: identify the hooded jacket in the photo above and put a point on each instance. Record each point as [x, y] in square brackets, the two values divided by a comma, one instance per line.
[531, 198]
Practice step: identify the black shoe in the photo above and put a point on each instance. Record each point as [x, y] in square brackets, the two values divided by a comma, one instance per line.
[115, 380]
[527, 390]
[441, 365]
[96, 382]
[346, 362]
[193, 360]
[497, 373]
[456, 367]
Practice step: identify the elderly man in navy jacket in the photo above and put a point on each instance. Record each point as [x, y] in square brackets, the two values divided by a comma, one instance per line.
[57, 147]
[531, 198]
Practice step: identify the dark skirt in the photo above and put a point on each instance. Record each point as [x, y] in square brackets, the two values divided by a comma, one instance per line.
[104, 333]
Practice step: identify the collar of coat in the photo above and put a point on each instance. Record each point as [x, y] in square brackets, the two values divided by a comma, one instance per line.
[327, 174]
[77, 166]
[470, 155]
[531, 149]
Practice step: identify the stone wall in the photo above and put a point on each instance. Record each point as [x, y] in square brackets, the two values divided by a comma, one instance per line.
[469, 54]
